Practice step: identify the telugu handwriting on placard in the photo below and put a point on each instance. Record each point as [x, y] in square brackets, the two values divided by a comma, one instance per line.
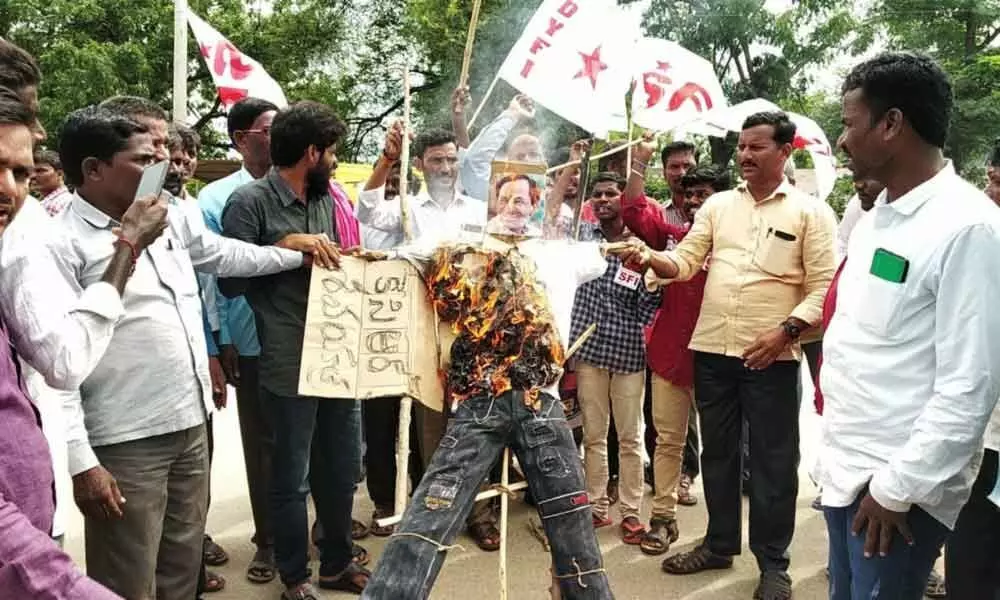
[365, 333]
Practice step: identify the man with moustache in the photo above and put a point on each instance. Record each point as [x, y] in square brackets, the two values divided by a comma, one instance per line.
[294, 197]
[772, 261]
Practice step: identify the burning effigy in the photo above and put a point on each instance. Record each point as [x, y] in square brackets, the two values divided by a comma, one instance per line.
[506, 334]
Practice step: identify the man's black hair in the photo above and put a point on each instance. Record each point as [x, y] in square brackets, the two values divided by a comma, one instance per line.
[913, 84]
[701, 175]
[678, 147]
[135, 107]
[93, 132]
[604, 164]
[994, 158]
[430, 138]
[190, 140]
[784, 128]
[18, 69]
[608, 176]
[301, 125]
[245, 112]
[13, 111]
[48, 157]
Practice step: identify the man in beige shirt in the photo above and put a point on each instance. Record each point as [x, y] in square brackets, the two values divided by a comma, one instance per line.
[771, 256]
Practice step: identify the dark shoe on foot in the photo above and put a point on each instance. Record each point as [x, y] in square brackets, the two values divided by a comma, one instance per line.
[612, 491]
[774, 585]
[213, 554]
[662, 533]
[486, 536]
[262, 568]
[684, 496]
[353, 579]
[697, 560]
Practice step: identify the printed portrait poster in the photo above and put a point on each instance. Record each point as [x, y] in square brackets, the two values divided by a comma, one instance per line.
[516, 204]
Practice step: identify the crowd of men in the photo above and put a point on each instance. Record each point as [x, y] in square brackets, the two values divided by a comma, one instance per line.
[126, 319]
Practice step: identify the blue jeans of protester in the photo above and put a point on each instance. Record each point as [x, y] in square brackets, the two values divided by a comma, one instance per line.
[330, 431]
[477, 434]
[901, 575]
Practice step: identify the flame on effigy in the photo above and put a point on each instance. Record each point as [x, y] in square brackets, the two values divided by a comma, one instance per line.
[506, 333]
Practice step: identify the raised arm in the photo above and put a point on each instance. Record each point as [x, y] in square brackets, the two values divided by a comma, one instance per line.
[475, 164]
[459, 102]
[643, 218]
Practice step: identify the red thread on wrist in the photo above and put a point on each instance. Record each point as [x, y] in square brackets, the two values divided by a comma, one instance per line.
[132, 250]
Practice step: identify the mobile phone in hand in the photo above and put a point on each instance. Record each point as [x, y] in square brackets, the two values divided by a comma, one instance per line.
[152, 180]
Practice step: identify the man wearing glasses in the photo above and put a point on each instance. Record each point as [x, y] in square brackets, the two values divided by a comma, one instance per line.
[249, 126]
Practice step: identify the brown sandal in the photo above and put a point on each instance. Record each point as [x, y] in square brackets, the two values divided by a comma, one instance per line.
[376, 529]
[359, 530]
[697, 560]
[214, 582]
[684, 496]
[486, 535]
[353, 579]
[662, 533]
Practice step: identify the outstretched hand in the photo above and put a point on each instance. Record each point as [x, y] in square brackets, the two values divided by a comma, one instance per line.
[880, 525]
[317, 248]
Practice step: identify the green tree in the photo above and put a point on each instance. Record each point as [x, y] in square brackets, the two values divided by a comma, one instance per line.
[962, 35]
[91, 49]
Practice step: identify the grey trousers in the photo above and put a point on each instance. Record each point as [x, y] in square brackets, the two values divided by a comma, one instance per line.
[155, 551]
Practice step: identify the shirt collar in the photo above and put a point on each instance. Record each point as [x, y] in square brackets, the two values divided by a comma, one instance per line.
[784, 189]
[285, 193]
[424, 198]
[91, 214]
[56, 193]
[911, 201]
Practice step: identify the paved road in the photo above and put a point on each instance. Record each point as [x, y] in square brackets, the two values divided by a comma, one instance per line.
[471, 573]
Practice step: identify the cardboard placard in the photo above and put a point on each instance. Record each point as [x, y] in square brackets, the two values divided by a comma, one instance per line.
[370, 332]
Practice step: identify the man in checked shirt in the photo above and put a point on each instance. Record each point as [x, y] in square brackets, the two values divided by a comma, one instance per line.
[611, 364]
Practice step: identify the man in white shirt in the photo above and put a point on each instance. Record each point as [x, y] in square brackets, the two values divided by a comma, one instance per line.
[138, 435]
[438, 209]
[910, 377]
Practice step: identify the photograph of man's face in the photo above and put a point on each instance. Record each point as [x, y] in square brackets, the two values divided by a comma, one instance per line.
[515, 203]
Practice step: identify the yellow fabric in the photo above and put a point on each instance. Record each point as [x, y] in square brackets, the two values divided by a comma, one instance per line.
[350, 175]
[756, 280]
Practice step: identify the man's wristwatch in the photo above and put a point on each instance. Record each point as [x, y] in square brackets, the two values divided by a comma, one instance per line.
[791, 330]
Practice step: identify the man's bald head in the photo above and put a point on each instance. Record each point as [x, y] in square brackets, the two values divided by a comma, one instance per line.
[526, 148]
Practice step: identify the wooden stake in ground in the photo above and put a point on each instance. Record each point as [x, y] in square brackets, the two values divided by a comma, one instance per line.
[504, 499]
[470, 40]
[406, 402]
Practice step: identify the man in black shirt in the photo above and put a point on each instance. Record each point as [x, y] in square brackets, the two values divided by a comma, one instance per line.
[293, 198]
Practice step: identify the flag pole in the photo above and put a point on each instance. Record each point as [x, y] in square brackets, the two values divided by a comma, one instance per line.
[482, 103]
[180, 61]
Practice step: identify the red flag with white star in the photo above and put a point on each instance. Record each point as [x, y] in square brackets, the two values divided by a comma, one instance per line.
[574, 59]
[673, 85]
[236, 75]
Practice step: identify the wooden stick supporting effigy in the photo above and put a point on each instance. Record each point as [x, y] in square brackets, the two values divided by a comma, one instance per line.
[470, 40]
[404, 159]
[504, 511]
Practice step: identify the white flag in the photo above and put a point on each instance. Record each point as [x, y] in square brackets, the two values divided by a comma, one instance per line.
[673, 86]
[574, 59]
[809, 136]
[236, 75]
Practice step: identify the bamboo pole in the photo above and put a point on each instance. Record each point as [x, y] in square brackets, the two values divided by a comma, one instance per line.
[406, 402]
[482, 103]
[470, 40]
[180, 61]
[595, 157]
[404, 159]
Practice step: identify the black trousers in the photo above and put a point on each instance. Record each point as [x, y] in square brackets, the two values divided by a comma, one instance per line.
[381, 426]
[972, 558]
[726, 392]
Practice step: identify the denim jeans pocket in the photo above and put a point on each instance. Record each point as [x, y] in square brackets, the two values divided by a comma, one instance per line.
[442, 491]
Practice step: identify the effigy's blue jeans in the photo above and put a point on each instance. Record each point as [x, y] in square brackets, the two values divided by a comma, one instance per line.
[476, 436]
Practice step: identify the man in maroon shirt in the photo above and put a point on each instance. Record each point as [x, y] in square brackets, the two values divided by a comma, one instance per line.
[672, 366]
